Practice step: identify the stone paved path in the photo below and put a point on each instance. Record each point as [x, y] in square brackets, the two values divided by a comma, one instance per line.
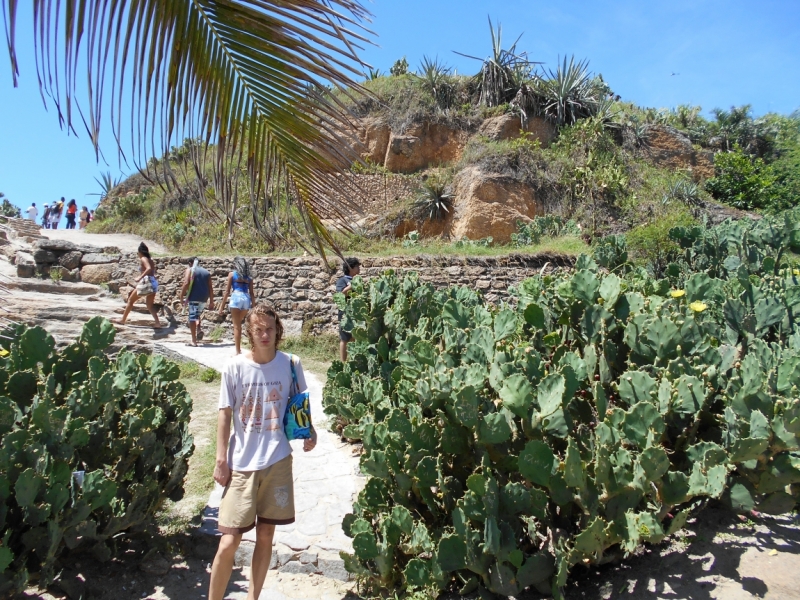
[327, 480]
[127, 242]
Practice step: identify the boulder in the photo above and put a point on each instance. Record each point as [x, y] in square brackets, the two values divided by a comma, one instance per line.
[423, 146]
[111, 250]
[372, 141]
[508, 126]
[26, 266]
[488, 204]
[55, 245]
[670, 148]
[44, 256]
[97, 273]
[72, 275]
[70, 260]
[99, 259]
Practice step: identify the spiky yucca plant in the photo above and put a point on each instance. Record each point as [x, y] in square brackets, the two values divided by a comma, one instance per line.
[503, 72]
[434, 199]
[435, 78]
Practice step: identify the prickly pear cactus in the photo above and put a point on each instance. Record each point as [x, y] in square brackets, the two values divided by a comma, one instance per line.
[503, 445]
[89, 448]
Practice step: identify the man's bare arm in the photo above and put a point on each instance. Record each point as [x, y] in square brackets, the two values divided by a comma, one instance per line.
[185, 284]
[222, 471]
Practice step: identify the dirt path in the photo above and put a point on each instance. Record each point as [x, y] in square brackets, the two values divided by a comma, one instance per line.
[126, 242]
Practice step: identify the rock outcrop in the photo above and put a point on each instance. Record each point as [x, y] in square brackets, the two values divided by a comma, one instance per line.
[373, 139]
[488, 204]
[422, 146]
[668, 147]
[508, 127]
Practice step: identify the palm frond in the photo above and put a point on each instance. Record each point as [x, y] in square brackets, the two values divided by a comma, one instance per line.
[251, 78]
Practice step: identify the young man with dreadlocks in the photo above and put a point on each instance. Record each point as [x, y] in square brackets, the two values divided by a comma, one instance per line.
[242, 298]
[254, 463]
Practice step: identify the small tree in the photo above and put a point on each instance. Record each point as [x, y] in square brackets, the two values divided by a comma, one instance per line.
[7, 209]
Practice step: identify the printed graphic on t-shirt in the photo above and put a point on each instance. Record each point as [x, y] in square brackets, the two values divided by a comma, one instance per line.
[259, 408]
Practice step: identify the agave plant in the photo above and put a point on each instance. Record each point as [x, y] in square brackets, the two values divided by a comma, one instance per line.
[434, 199]
[435, 78]
[106, 183]
[244, 75]
[503, 72]
[568, 92]
[683, 190]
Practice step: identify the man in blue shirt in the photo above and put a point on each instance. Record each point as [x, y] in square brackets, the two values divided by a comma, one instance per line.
[197, 291]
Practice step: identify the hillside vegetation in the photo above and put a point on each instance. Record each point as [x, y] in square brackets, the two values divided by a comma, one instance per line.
[603, 172]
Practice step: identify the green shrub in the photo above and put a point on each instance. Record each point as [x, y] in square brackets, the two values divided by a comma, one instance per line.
[57, 273]
[650, 245]
[7, 209]
[131, 207]
[549, 226]
[503, 446]
[208, 375]
[741, 181]
[90, 447]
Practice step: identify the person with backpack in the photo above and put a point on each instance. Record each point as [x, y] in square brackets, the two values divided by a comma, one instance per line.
[242, 297]
[254, 457]
[196, 292]
[55, 213]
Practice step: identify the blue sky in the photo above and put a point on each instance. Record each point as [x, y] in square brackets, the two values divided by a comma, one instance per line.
[723, 53]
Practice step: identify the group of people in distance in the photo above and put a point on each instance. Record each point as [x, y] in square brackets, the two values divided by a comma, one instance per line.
[197, 293]
[52, 214]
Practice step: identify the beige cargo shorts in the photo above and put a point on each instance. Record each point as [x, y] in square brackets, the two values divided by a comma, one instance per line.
[266, 496]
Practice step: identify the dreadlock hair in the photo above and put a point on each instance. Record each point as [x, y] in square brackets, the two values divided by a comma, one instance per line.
[263, 310]
[242, 267]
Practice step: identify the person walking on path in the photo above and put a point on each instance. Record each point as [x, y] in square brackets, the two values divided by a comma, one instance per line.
[46, 217]
[55, 213]
[32, 211]
[242, 297]
[197, 291]
[84, 217]
[351, 267]
[72, 210]
[254, 463]
[146, 286]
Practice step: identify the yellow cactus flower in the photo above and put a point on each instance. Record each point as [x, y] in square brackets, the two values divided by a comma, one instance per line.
[677, 293]
[796, 271]
[698, 306]
[3, 352]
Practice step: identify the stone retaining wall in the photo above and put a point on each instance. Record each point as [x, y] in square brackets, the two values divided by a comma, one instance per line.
[302, 288]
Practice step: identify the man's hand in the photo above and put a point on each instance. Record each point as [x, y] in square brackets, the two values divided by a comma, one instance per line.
[222, 472]
[308, 445]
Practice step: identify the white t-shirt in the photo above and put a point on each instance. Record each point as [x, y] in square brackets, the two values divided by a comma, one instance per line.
[258, 395]
[32, 212]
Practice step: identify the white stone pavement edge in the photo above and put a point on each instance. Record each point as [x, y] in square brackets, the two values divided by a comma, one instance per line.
[326, 482]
